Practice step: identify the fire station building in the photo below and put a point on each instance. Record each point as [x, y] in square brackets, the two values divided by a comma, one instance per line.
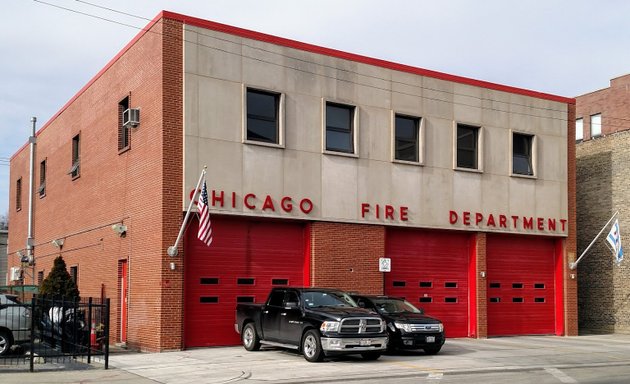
[319, 164]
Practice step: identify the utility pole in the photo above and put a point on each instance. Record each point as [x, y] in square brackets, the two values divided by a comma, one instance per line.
[30, 242]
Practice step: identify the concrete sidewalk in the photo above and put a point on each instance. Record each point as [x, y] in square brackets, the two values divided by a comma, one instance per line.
[458, 356]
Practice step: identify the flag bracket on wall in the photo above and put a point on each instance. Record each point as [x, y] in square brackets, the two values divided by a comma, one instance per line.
[172, 250]
[613, 239]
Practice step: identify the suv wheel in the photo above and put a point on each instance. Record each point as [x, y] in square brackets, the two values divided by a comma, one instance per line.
[312, 346]
[5, 342]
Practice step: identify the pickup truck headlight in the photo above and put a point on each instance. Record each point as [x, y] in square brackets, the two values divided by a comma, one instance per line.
[405, 327]
[441, 327]
[329, 326]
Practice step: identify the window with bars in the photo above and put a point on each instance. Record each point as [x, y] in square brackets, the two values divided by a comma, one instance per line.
[18, 194]
[76, 157]
[124, 131]
[41, 190]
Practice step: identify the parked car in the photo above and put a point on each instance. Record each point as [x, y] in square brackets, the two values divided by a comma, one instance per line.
[318, 322]
[408, 326]
[15, 322]
[65, 327]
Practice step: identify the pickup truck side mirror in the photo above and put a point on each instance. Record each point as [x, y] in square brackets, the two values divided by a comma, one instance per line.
[291, 305]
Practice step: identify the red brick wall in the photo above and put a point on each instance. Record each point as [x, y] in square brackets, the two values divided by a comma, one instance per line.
[133, 186]
[172, 175]
[345, 256]
[482, 286]
[611, 102]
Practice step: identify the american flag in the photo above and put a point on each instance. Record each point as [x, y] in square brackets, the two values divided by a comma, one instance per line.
[205, 227]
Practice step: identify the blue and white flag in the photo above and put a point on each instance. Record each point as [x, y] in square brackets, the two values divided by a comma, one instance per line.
[614, 239]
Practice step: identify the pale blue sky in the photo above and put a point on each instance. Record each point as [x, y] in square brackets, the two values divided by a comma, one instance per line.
[563, 47]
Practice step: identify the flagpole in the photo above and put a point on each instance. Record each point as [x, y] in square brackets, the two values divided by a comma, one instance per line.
[172, 250]
[574, 265]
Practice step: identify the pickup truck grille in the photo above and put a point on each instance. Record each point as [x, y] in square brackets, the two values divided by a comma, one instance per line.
[360, 325]
[425, 327]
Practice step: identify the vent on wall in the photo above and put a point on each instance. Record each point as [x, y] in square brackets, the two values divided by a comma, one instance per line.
[131, 117]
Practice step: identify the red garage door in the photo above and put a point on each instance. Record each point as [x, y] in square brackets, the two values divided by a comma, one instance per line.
[430, 269]
[246, 259]
[520, 285]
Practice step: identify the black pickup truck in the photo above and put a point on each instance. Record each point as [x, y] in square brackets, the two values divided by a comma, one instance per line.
[318, 322]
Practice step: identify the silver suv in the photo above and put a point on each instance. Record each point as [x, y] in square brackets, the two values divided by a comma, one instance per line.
[15, 322]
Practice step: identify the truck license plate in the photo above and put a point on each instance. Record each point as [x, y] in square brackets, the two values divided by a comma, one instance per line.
[365, 342]
[430, 339]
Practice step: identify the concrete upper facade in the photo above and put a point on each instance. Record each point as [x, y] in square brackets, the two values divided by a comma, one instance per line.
[252, 179]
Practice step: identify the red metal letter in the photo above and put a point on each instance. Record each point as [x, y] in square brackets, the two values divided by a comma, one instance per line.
[452, 217]
[528, 224]
[541, 224]
[466, 219]
[365, 208]
[551, 223]
[287, 207]
[563, 222]
[268, 204]
[491, 222]
[216, 198]
[389, 212]
[404, 213]
[515, 218]
[502, 221]
[478, 218]
[246, 200]
[306, 206]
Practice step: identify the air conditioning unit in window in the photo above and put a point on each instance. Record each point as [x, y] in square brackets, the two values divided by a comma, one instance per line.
[131, 117]
[16, 273]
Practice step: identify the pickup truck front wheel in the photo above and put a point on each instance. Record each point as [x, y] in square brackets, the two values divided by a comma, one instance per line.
[312, 346]
[250, 338]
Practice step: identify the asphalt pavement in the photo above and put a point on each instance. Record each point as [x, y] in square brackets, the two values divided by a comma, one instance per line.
[543, 359]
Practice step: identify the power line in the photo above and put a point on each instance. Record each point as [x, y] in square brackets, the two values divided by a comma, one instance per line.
[482, 99]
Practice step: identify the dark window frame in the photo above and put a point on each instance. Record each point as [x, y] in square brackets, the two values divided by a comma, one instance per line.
[402, 144]
[18, 194]
[349, 130]
[75, 169]
[462, 133]
[41, 190]
[74, 274]
[275, 117]
[523, 154]
[124, 131]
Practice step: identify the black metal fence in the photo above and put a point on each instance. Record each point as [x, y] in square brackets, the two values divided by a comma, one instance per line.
[53, 331]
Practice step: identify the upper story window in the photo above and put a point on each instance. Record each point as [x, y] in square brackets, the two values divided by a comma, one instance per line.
[74, 273]
[42, 179]
[124, 131]
[468, 152]
[523, 151]
[264, 122]
[76, 157]
[407, 138]
[340, 133]
[579, 129]
[596, 125]
[18, 194]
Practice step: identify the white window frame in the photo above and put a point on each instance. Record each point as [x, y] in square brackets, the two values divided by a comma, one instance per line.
[281, 117]
[355, 129]
[534, 174]
[596, 116]
[421, 140]
[480, 146]
[579, 129]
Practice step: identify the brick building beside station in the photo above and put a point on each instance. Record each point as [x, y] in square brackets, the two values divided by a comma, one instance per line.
[320, 162]
[603, 159]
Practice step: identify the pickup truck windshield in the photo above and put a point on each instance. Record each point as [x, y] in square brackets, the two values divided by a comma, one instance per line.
[327, 299]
